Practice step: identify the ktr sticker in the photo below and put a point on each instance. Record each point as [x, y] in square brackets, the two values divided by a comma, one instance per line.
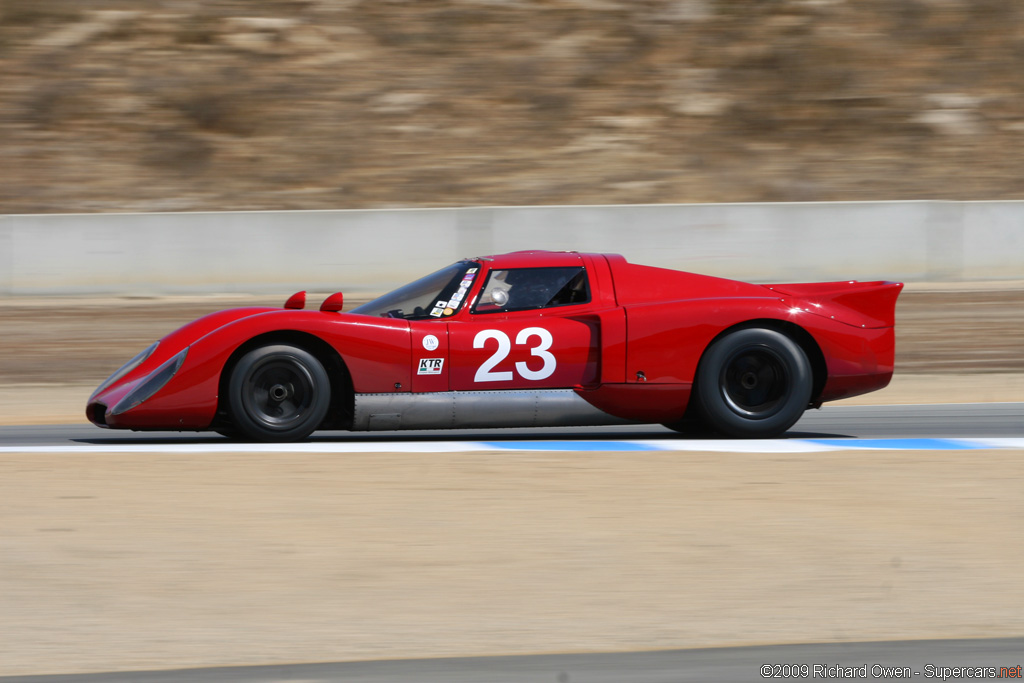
[430, 366]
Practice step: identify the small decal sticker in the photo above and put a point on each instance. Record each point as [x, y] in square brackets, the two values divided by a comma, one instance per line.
[449, 311]
[437, 312]
[470, 271]
[430, 366]
[430, 342]
[441, 304]
[457, 297]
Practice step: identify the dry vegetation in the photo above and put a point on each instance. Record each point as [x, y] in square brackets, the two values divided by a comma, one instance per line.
[116, 105]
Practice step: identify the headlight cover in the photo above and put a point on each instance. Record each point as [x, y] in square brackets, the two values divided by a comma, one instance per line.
[151, 384]
[126, 368]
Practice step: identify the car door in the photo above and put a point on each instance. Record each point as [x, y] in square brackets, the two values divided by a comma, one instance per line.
[430, 356]
[530, 328]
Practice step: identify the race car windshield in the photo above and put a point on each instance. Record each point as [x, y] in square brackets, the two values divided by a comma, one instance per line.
[437, 295]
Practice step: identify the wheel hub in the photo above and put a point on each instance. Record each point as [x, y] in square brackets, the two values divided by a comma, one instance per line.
[754, 382]
[278, 392]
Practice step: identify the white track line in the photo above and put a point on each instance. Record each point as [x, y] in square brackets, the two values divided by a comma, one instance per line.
[553, 445]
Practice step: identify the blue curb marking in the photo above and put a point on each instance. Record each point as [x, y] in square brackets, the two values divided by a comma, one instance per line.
[757, 446]
[899, 444]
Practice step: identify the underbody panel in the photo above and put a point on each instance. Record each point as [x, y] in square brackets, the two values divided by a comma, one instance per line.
[477, 409]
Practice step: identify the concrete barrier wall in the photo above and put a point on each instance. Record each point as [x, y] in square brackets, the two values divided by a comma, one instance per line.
[256, 252]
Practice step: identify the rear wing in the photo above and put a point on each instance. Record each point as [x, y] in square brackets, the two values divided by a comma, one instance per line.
[865, 304]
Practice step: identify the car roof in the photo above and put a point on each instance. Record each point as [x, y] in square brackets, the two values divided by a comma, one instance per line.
[532, 259]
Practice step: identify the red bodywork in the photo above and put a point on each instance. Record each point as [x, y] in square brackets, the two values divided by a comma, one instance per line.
[631, 351]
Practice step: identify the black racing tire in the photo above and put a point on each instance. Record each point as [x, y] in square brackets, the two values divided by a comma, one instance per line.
[753, 383]
[277, 393]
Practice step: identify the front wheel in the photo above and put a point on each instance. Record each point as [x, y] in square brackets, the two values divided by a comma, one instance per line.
[753, 383]
[278, 393]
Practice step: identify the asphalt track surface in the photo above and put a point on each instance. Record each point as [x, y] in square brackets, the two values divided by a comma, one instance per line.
[910, 660]
[925, 660]
[967, 420]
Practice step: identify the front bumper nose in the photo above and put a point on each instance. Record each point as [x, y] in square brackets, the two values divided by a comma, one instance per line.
[97, 414]
[97, 409]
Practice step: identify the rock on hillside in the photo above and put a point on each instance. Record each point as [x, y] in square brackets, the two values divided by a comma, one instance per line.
[114, 105]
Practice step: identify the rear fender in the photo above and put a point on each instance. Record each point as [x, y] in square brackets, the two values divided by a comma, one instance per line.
[666, 341]
[845, 360]
[804, 339]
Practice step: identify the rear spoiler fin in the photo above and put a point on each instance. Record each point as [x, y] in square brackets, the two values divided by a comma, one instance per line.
[865, 304]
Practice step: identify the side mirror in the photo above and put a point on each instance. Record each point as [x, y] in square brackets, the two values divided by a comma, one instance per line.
[333, 303]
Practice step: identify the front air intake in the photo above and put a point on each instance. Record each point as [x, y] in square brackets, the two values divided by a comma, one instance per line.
[97, 414]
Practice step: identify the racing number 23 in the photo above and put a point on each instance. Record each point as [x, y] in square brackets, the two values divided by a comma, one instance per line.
[486, 372]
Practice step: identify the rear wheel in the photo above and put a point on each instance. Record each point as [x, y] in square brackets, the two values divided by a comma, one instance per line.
[278, 393]
[753, 383]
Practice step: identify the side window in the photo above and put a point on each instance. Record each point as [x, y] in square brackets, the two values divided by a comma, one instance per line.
[521, 289]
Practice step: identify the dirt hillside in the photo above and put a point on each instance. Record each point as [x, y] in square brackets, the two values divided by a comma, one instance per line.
[116, 105]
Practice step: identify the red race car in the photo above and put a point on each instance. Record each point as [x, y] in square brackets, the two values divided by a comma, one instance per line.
[528, 339]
